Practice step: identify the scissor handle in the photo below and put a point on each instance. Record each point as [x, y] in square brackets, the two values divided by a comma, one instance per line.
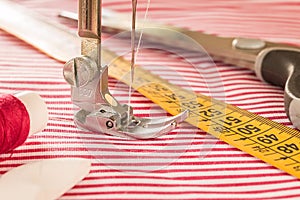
[281, 66]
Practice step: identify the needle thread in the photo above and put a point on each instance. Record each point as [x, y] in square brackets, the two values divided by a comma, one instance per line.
[135, 50]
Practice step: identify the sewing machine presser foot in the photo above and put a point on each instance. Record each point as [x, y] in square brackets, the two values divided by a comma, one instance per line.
[101, 112]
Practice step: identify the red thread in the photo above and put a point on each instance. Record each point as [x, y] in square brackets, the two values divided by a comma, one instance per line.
[14, 123]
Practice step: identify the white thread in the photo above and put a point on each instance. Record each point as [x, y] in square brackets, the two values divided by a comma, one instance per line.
[135, 51]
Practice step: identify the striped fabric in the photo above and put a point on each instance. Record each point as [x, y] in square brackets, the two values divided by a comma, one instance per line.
[186, 163]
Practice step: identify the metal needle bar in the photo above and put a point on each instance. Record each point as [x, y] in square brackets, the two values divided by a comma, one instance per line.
[89, 27]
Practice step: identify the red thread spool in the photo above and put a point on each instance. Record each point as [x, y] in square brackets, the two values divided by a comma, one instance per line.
[19, 118]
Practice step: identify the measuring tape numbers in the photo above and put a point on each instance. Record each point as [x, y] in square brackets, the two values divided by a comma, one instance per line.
[267, 140]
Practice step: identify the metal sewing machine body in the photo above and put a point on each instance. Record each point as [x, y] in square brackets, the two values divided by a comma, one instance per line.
[99, 110]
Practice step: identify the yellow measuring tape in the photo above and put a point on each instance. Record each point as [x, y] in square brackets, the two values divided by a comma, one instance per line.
[267, 140]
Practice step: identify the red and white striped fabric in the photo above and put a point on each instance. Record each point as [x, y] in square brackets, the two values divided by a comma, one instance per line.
[186, 163]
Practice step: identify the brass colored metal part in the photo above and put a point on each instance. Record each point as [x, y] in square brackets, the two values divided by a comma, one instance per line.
[89, 23]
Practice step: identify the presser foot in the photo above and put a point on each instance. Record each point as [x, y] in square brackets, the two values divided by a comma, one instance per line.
[101, 112]
[108, 121]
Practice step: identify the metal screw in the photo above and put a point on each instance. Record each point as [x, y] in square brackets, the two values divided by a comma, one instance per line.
[79, 71]
[109, 124]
